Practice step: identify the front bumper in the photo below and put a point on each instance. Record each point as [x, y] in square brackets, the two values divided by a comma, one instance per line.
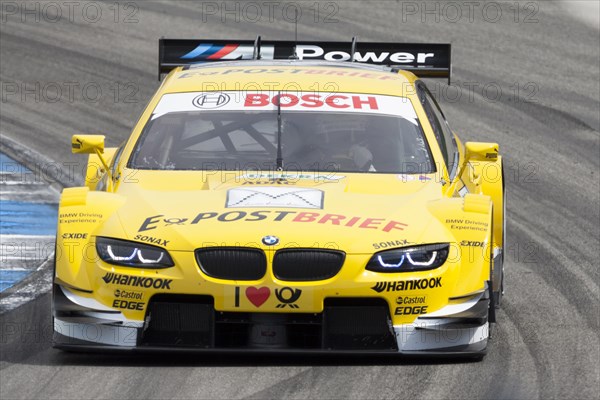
[346, 326]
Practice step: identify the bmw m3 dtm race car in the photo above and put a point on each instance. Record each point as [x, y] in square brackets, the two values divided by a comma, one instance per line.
[285, 196]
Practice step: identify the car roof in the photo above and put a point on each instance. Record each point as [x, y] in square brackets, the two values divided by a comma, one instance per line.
[290, 75]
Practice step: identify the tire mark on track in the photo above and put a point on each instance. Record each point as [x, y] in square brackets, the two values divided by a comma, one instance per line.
[556, 274]
[553, 327]
[49, 50]
[545, 114]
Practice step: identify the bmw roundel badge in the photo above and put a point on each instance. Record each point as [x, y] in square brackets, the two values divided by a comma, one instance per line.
[270, 240]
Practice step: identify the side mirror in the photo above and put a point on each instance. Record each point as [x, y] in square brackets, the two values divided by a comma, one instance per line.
[91, 144]
[87, 144]
[478, 151]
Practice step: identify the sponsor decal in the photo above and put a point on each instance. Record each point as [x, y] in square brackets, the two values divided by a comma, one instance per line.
[150, 239]
[390, 243]
[466, 224]
[128, 294]
[410, 310]
[399, 286]
[287, 296]
[276, 216]
[74, 235]
[274, 197]
[314, 100]
[175, 221]
[383, 57]
[233, 51]
[294, 177]
[411, 177]
[291, 71]
[472, 243]
[71, 218]
[214, 52]
[270, 240]
[411, 300]
[211, 100]
[269, 182]
[128, 305]
[291, 101]
[258, 296]
[137, 281]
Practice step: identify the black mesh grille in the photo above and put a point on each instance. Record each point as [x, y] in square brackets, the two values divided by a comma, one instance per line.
[307, 264]
[236, 263]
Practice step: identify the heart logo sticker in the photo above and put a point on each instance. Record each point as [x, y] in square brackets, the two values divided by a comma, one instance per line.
[258, 296]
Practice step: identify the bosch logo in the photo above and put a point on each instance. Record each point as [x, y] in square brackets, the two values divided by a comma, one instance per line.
[270, 240]
[211, 100]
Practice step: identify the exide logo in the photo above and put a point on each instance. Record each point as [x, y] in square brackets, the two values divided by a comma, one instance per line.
[74, 235]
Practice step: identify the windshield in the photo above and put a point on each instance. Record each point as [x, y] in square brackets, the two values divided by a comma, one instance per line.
[238, 131]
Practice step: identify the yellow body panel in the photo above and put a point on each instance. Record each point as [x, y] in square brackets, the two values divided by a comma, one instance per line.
[363, 213]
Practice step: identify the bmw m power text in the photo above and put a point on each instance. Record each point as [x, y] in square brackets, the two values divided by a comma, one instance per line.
[285, 197]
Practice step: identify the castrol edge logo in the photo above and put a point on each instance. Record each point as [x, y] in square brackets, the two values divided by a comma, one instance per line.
[288, 101]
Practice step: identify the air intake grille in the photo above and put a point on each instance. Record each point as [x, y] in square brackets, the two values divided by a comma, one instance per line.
[235, 263]
[180, 320]
[361, 324]
[307, 264]
[354, 324]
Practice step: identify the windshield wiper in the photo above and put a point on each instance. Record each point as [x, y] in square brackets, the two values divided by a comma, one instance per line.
[279, 159]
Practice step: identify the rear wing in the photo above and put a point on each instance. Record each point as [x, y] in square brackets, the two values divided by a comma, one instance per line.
[422, 59]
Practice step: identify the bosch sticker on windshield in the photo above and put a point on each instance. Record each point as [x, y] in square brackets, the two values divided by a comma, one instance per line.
[290, 100]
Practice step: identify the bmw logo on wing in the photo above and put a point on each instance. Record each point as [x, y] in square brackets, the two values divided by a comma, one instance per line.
[270, 240]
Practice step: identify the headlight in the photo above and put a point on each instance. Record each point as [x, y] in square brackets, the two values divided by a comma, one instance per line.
[132, 254]
[417, 258]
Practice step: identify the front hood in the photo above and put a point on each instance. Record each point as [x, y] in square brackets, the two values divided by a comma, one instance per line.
[357, 213]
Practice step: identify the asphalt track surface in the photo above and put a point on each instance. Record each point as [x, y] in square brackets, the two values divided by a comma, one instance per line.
[546, 344]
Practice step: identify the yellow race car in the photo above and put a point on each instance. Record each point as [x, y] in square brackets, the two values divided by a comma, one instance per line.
[285, 197]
